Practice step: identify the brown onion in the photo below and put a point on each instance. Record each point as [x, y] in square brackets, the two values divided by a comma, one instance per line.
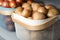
[19, 1]
[1, 2]
[6, 4]
[13, 4]
[11, 0]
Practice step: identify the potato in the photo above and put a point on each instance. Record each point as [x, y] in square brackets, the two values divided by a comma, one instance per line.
[42, 10]
[26, 13]
[35, 6]
[29, 1]
[26, 6]
[30, 18]
[49, 6]
[38, 16]
[52, 12]
[18, 10]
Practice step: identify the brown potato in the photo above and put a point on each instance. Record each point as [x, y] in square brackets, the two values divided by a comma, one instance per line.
[29, 1]
[30, 18]
[49, 6]
[42, 10]
[52, 12]
[18, 10]
[35, 6]
[26, 6]
[26, 13]
[38, 16]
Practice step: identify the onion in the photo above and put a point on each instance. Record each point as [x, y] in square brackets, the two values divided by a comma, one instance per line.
[1, 2]
[13, 4]
[11, 0]
[6, 4]
[19, 1]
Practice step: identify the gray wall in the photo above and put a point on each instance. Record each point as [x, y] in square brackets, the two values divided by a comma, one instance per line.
[55, 2]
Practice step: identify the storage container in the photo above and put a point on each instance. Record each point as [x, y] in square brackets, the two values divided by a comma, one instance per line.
[34, 29]
[6, 17]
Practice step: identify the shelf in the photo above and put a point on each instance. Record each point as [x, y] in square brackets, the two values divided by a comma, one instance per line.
[7, 35]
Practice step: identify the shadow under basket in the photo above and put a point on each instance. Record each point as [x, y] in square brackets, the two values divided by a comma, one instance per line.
[34, 29]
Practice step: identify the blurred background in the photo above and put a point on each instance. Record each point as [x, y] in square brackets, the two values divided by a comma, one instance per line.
[7, 35]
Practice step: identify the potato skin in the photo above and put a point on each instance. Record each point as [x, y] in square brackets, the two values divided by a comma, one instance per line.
[35, 6]
[26, 6]
[49, 6]
[36, 11]
[30, 18]
[19, 10]
[52, 12]
[26, 13]
[42, 10]
[38, 16]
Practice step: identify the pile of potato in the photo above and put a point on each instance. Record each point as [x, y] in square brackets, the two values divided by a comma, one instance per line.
[36, 11]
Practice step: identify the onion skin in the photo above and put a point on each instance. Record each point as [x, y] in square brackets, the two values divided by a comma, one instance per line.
[19, 1]
[11, 0]
[1, 2]
[6, 4]
[13, 4]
